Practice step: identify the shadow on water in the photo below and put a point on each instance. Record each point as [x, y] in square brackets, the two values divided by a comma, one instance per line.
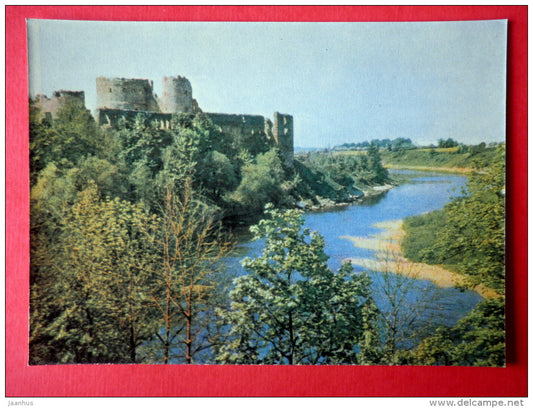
[372, 200]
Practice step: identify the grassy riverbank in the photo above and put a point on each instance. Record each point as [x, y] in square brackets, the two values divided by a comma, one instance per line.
[460, 159]
[389, 258]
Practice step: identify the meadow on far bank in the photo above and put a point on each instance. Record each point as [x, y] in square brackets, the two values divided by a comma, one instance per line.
[448, 156]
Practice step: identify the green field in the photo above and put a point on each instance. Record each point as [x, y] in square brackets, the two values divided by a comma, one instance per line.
[462, 158]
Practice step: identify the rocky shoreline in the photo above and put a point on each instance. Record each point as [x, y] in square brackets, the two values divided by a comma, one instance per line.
[325, 203]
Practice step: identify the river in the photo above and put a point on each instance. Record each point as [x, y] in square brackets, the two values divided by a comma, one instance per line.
[423, 192]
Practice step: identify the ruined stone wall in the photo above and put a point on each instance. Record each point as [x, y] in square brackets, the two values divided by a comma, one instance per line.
[126, 94]
[253, 132]
[50, 107]
[235, 123]
[111, 117]
[283, 132]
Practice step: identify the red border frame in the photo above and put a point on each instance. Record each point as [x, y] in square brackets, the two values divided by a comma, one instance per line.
[123, 380]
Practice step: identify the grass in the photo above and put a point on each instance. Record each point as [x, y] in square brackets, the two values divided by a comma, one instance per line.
[439, 149]
[350, 153]
[449, 159]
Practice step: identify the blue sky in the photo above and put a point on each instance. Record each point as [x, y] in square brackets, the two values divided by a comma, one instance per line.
[342, 82]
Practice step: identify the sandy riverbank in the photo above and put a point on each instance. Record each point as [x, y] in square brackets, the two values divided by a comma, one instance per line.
[387, 245]
[463, 170]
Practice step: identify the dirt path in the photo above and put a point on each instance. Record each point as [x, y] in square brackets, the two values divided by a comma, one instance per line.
[387, 245]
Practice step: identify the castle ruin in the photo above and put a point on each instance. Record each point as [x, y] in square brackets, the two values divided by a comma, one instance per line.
[127, 97]
[118, 98]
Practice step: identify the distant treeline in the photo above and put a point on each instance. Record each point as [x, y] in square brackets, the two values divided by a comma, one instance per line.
[402, 152]
[401, 143]
[388, 144]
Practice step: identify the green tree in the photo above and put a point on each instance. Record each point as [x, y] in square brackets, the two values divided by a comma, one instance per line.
[477, 340]
[140, 158]
[218, 175]
[58, 185]
[447, 143]
[41, 143]
[65, 140]
[187, 282]
[196, 151]
[180, 160]
[473, 234]
[90, 298]
[214, 138]
[380, 174]
[291, 308]
[261, 183]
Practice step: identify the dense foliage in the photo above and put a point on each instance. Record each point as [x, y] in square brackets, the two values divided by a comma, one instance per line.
[290, 308]
[125, 239]
[476, 340]
[91, 284]
[468, 235]
[103, 242]
[447, 143]
[129, 226]
[339, 177]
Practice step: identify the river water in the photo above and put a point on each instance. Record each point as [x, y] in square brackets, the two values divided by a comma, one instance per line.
[424, 192]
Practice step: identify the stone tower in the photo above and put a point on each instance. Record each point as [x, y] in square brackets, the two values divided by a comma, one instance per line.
[177, 95]
[125, 94]
[283, 133]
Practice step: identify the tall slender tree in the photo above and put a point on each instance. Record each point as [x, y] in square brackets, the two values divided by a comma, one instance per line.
[187, 279]
[291, 308]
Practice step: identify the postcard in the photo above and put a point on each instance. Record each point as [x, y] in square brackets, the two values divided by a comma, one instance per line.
[259, 205]
[155, 148]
